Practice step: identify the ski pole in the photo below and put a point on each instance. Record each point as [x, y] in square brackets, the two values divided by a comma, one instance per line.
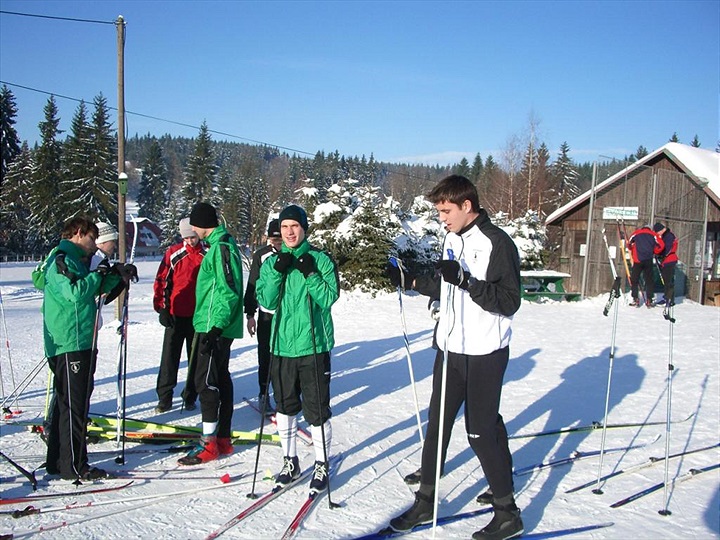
[23, 384]
[276, 320]
[443, 387]
[398, 264]
[7, 345]
[331, 504]
[671, 368]
[597, 490]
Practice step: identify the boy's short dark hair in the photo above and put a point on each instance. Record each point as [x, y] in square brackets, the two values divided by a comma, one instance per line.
[83, 224]
[455, 189]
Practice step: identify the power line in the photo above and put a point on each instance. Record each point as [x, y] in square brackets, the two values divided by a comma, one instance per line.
[183, 124]
[175, 122]
[56, 18]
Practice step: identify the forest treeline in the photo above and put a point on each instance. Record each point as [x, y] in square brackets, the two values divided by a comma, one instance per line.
[66, 174]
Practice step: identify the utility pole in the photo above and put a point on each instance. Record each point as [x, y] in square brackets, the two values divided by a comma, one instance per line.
[122, 176]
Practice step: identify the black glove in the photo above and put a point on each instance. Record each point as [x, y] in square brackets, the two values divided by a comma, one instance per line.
[453, 273]
[306, 264]
[103, 267]
[209, 342]
[397, 277]
[128, 272]
[167, 320]
[283, 262]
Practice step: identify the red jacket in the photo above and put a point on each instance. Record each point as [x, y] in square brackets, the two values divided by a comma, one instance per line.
[176, 277]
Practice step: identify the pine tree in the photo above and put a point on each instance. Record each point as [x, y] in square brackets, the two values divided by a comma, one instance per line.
[14, 209]
[477, 170]
[9, 140]
[641, 152]
[77, 165]
[153, 196]
[566, 176]
[201, 171]
[46, 216]
[674, 137]
[463, 168]
[103, 199]
[695, 142]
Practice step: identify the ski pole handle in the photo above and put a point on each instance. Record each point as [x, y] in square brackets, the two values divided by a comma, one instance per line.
[450, 254]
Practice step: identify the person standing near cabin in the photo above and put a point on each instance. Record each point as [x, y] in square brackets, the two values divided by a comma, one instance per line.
[174, 301]
[300, 284]
[263, 324]
[478, 283]
[667, 261]
[69, 310]
[217, 320]
[644, 245]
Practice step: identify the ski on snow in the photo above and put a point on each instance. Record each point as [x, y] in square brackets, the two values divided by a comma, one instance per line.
[32, 510]
[595, 426]
[692, 473]
[575, 456]
[74, 493]
[258, 504]
[303, 435]
[310, 502]
[651, 461]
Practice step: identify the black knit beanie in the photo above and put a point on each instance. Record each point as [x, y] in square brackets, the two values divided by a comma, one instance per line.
[295, 213]
[203, 215]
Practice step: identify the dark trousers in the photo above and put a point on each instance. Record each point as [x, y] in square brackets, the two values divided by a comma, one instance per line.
[264, 325]
[214, 385]
[477, 382]
[303, 383]
[67, 446]
[646, 269]
[667, 271]
[180, 334]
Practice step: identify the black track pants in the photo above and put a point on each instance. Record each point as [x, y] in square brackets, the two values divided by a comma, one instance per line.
[214, 385]
[67, 447]
[477, 382]
[180, 334]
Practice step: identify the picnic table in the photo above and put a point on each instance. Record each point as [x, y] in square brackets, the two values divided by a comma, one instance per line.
[545, 284]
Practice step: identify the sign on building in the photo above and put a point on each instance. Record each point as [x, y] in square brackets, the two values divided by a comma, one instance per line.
[620, 212]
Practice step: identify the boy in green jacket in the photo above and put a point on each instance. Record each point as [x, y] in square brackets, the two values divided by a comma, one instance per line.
[218, 319]
[69, 325]
[300, 284]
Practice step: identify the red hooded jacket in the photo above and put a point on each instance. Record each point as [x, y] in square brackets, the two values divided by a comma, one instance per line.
[176, 277]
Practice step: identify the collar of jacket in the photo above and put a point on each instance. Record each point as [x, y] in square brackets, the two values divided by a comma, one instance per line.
[215, 236]
[479, 221]
[301, 249]
[72, 249]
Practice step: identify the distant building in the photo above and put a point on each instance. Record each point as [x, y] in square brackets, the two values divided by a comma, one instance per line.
[148, 240]
[677, 185]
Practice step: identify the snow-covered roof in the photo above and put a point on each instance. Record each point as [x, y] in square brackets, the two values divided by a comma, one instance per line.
[703, 166]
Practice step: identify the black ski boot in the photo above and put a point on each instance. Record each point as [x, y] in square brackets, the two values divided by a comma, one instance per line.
[419, 513]
[486, 497]
[505, 524]
[289, 473]
[413, 478]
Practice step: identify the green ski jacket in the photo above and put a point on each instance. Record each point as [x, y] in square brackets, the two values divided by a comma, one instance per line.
[219, 288]
[304, 310]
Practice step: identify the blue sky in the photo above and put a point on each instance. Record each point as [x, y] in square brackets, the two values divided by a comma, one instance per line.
[404, 81]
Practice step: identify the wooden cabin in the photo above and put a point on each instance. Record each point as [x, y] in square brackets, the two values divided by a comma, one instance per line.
[677, 185]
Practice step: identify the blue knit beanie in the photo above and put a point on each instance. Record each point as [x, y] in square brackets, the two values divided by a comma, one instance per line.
[295, 213]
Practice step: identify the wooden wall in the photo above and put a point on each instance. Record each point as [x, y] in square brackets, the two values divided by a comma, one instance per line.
[662, 193]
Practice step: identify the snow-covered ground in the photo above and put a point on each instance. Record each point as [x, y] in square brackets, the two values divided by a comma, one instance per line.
[557, 377]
